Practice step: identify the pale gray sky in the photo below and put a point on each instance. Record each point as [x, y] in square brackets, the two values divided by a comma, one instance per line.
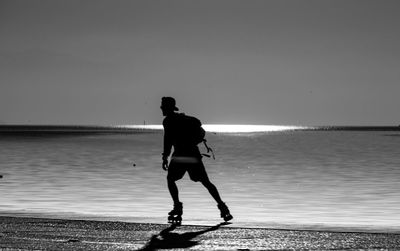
[299, 62]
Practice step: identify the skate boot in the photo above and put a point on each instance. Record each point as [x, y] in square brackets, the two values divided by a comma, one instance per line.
[175, 216]
[225, 214]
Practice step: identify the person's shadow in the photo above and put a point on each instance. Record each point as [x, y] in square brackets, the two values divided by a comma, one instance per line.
[167, 240]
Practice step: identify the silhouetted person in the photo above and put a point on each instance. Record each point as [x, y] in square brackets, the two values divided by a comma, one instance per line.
[178, 132]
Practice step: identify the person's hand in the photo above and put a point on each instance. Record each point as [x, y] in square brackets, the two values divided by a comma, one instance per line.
[165, 164]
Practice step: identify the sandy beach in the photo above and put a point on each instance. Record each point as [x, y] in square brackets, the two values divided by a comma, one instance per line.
[23, 233]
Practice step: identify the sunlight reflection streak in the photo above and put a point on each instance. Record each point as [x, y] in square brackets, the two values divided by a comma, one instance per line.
[225, 128]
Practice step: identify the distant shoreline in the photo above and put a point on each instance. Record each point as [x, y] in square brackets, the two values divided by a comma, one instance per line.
[132, 129]
[67, 129]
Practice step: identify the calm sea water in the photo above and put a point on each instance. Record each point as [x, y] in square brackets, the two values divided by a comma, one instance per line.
[297, 179]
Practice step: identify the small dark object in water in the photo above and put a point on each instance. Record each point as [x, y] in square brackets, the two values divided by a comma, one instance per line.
[73, 240]
[134, 164]
[1, 176]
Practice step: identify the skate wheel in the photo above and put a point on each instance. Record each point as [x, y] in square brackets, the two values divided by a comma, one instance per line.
[175, 220]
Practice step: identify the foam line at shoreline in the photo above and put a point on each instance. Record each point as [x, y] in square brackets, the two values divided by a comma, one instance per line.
[203, 222]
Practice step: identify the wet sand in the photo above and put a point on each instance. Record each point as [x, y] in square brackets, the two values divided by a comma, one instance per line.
[23, 233]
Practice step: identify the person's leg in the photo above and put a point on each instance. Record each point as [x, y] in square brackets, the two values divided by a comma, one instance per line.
[175, 172]
[197, 172]
[212, 189]
[225, 214]
[173, 190]
[175, 215]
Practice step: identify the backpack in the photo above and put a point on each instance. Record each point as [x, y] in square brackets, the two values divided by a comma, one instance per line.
[193, 133]
[191, 130]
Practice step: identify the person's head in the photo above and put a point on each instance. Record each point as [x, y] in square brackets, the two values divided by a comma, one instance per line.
[168, 105]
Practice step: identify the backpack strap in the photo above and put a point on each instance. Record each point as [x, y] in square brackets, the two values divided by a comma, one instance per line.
[208, 150]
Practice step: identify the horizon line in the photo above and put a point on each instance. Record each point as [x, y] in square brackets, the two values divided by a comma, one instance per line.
[214, 128]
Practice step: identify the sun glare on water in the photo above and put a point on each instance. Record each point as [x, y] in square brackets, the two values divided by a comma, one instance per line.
[247, 128]
[225, 128]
